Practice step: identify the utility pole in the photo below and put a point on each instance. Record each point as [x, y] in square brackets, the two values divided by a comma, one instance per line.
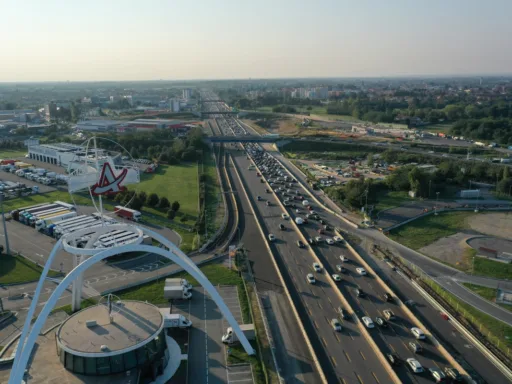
[7, 249]
[437, 200]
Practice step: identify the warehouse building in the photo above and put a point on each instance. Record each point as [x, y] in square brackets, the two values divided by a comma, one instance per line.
[98, 125]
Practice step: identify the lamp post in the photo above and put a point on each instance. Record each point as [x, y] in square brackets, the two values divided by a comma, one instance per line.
[437, 200]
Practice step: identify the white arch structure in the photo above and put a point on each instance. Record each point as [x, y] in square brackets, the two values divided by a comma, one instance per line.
[28, 338]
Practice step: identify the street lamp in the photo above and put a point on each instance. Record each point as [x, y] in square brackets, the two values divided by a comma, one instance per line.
[437, 200]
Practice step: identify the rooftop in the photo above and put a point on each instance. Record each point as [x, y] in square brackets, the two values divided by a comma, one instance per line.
[134, 323]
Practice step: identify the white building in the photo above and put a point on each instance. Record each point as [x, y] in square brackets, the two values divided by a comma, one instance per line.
[174, 105]
[187, 93]
[60, 154]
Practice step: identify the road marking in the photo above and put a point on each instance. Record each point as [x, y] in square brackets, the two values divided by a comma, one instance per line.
[359, 378]
[309, 311]
[320, 305]
[347, 356]
[337, 338]
[393, 349]
[342, 380]
[361, 353]
[375, 377]
[334, 361]
[316, 325]
[324, 342]
[328, 298]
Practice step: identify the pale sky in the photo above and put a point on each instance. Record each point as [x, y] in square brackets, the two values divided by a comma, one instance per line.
[59, 40]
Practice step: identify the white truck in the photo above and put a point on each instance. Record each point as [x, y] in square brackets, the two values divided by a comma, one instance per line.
[177, 292]
[178, 282]
[174, 320]
[230, 337]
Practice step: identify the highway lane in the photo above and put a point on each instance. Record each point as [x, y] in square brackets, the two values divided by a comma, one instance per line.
[350, 355]
[293, 357]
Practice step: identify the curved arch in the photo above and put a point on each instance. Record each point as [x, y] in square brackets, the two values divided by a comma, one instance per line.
[174, 254]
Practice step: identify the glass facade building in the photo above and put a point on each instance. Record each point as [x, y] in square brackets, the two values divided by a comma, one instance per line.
[153, 355]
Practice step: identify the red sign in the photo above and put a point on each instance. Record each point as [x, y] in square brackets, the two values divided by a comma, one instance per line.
[109, 183]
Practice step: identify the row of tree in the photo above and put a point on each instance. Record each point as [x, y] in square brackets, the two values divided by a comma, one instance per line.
[138, 200]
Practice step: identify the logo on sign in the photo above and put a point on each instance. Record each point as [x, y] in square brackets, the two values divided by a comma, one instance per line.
[109, 183]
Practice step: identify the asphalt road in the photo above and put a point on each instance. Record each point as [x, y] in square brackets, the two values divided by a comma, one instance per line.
[348, 354]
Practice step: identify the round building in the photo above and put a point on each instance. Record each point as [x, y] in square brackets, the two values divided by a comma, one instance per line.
[111, 338]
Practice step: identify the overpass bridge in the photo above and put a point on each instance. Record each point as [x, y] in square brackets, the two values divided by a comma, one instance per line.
[243, 139]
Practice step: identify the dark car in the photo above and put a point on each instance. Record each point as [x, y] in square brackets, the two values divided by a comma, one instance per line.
[360, 292]
[322, 221]
[453, 374]
[282, 227]
[343, 313]
[393, 359]
[415, 347]
[300, 244]
[388, 297]
[311, 241]
[341, 268]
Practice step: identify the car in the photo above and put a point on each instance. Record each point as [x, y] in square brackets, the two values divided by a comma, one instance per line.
[285, 216]
[318, 239]
[282, 227]
[418, 333]
[268, 203]
[368, 322]
[388, 314]
[361, 271]
[310, 278]
[341, 268]
[415, 347]
[338, 239]
[300, 244]
[335, 324]
[360, 292]
[311, 241]
[297, 210]
[453, 374]
[305, 220]
[259, 198]
[344, 259]
[414, 365]
[336, 277]
[437, 374]
[388, 297]
[320, 231]
[381, 322]
[322, 222]
[343, 313]
[329, 241]
[317, 267]
[393, 359]
[267, 190]
[271, 237]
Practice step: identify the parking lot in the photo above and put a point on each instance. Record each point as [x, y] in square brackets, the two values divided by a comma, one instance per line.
[207, 356]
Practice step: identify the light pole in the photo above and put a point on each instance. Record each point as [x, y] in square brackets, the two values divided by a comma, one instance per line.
[429, 187]
[7, 249]
[437, 200]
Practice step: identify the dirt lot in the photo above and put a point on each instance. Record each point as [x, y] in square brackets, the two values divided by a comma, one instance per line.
[452, 249]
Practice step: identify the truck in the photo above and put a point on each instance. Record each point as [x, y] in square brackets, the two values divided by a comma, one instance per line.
[177, 292]
[21, 214]
[230, 337]
[41, 224]
[35, 218]
[175, 320]
[178, 282]
[127, 213]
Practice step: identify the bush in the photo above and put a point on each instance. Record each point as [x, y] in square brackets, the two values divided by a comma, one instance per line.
[175, 206]
[171, 214]
[164, 203]
[143, 196]
[184, 218]
[152, 200]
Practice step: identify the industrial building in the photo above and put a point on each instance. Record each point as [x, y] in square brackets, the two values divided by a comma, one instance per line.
[98, 125]
[65, 154]
[144, 125]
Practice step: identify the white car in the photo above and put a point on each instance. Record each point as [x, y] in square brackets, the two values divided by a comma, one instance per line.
[271, 237]
[336, 277]
[368, 322]
[335, 324]
[329, 241]
[418, 333]
[310, 278]
[338, 239]
[414, 365]
[344, 259]
[317, 267]
[361, 271]
[318, 239]
[285, 216]
[297, 210]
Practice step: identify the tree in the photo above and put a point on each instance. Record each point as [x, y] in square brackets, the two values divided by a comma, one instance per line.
[164, 203]
[152, 200]
[136, 203]
[143, 196]
[419, 181]
[506, 174]
[370, 159]
[175, 206]
[171, 214]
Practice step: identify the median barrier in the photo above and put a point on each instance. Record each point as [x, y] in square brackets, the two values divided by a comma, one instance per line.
[364, 331]
[407, 311]
[285, 288]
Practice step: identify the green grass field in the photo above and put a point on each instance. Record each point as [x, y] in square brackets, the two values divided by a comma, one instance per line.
[486, 293]
[9, 154]
[487, 267]
[391, 199]
[176, 182]
[16, 269]
[440, 128]
[424, 231]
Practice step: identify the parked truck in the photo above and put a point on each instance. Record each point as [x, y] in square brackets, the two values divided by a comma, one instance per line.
[35, 218]
[174, 320]
[42, 224]
[177, 292]
[127, 213]
[230, 337]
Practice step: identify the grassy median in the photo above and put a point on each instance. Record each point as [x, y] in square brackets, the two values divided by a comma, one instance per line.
[17, 269]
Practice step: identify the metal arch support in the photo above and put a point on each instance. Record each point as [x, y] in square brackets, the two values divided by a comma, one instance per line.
[174, 254]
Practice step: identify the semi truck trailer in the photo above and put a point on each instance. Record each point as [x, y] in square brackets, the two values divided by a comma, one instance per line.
[127, 213]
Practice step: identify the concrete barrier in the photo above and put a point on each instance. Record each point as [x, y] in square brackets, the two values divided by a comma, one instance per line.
[408, 312]
[287, 292]
[364, 331]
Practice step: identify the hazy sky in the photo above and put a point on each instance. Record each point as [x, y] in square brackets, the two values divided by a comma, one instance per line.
[44, 40]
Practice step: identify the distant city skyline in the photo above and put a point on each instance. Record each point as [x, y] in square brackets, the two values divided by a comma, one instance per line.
[229, 39]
